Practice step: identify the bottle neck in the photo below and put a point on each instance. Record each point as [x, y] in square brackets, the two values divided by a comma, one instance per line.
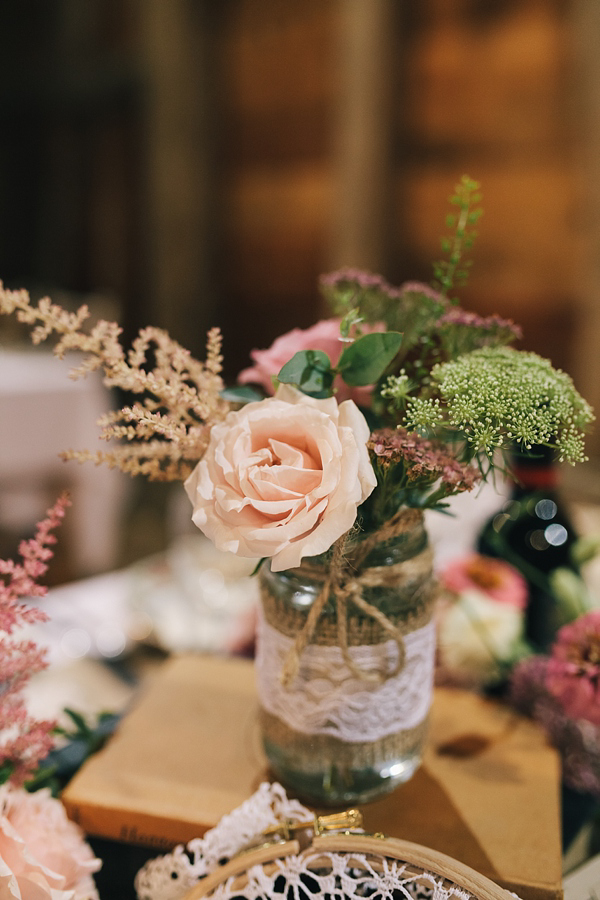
[535, 478]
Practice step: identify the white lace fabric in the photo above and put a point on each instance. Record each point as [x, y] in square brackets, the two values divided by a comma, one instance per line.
[342, 876]
[169, 877]
[329, 699]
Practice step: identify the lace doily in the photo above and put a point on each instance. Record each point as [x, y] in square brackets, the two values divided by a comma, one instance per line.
[381, 868]
[342, 876]
[327, 698]
[169, 877]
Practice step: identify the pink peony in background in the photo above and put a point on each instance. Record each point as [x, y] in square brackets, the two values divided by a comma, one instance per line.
[479, 620]
[283, 477]
[573, 669]
[43, 855]
[325, 336]
[493, 577]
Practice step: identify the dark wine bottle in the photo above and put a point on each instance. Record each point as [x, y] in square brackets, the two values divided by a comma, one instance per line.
[533, 532]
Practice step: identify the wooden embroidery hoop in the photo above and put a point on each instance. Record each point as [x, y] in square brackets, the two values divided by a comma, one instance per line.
[328, 838]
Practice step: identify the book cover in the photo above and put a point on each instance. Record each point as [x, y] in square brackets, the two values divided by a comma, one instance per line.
[189, 752]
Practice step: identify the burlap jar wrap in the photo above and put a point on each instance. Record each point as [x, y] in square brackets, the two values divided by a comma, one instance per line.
[367, 594]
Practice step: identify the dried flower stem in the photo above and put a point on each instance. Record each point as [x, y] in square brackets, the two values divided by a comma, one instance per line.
[166, 432]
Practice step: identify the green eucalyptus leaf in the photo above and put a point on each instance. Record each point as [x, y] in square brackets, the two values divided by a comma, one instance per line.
[242, 393]
[364, 361]
[309, 370]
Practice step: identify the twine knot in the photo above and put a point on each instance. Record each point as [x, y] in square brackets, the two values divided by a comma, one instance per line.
[348, 588]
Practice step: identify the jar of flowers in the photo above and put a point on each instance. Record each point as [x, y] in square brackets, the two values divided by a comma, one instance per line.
[321, 472]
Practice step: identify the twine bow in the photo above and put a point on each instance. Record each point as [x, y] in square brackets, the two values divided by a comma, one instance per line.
[349, 589]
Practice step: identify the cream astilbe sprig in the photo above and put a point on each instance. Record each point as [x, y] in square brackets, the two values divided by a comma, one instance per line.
[164, 434]
[496, 396]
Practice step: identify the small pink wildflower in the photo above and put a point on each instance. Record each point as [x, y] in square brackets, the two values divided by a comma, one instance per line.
[423, 459]
[457, 316]
[576, 736]
[365, 281]
[573, 670]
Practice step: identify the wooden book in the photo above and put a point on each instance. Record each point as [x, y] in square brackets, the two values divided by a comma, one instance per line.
[189, 752]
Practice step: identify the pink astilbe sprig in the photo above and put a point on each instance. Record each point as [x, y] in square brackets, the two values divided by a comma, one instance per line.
[24, 740]
[164, 434]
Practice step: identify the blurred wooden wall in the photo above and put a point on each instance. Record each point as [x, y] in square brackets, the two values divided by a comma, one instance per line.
[346, 126]
[434, 90]
[264, 142]
[490, 92]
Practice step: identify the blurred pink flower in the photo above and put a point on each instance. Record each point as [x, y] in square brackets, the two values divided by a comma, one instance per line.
[573, 670]
[43, 855]
[493, 577]
[325, 336]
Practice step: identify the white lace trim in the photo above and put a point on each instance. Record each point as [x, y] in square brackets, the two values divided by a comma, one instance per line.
[327, 698]
[169, 877]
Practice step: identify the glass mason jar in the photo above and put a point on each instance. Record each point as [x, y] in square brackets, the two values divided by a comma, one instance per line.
[350, 725]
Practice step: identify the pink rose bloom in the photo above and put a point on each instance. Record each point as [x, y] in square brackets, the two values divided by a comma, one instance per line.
[325, 336]
[573, 670]
[493, 577]
[43, 855]
[282, 477]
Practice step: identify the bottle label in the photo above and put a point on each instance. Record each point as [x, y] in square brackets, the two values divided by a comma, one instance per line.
[535, 477]
[326, 697]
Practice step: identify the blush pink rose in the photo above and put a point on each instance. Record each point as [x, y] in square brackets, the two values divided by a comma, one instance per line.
[283, 477]
[493, 577]
[325, 336]
[43, 855]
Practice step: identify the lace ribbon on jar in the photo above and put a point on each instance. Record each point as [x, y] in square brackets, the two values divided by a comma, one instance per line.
[332, 699]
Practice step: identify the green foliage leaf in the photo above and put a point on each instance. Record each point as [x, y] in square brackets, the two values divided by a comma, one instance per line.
[257, 567]
[571, 593]
[446, 271]
[242, 393]
[81, 726]
[353, 317]
[310, 371]
[45, 776]
[365, 361]
[6, 770]
[585, 548]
